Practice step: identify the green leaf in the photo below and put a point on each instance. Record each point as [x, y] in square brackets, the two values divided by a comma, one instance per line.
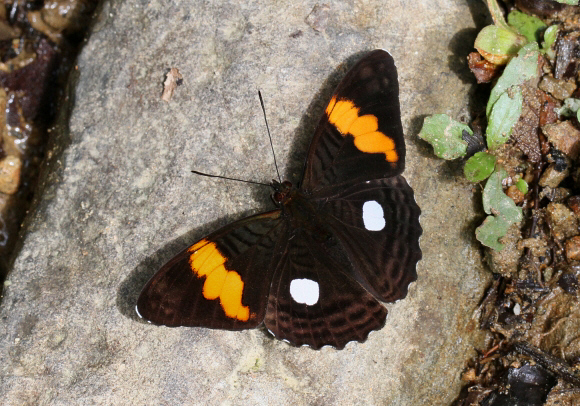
[571, 2]
[479, 166]
[529, 26]
[490, 231]
[522, 186]
[497, 14]
[504, 115]
[550, 36]
[502, 211]
[521, 68]
[445, 135]
[494, 199]
[498, 45]
[569, 107]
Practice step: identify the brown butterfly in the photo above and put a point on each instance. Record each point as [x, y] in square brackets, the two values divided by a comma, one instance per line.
[315, 269]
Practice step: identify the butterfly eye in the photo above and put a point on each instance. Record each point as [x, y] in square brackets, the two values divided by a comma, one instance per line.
[278, 197]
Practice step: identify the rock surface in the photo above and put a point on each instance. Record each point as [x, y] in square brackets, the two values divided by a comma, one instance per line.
[118, 201]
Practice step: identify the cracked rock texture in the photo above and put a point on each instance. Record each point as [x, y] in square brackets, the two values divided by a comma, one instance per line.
[118, 200]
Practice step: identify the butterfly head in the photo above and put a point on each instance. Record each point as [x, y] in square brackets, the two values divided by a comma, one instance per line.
[282, 191]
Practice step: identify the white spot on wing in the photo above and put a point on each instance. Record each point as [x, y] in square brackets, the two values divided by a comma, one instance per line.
[304, 291]
[373, 216]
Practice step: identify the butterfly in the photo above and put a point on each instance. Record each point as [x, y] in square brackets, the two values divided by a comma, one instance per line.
[314, 270]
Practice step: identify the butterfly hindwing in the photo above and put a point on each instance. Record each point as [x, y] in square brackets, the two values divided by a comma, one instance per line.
[360, 136]
[377, 223]
[222, 281]
[314, 302]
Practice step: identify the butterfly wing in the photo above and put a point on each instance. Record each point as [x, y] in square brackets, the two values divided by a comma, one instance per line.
[377, 223]
[222, 281]
[363, 247]
[360, 136]
[314, 302]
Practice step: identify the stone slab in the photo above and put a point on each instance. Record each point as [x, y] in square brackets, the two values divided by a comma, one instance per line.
[118, 201]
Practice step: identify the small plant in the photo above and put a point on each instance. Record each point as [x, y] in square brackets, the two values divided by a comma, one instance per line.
[514, 43]
[524, 150]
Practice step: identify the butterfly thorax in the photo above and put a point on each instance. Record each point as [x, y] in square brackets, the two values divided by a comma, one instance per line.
[292, 201]
[302, 211]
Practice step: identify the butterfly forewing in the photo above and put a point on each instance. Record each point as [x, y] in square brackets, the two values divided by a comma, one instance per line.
[360, 136]
[222, 281]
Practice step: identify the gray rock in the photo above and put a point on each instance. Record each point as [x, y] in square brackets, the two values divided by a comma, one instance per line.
[118, 201]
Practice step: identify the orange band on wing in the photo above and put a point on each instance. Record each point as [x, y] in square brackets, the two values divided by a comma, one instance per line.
[227, 286]
[343, 114]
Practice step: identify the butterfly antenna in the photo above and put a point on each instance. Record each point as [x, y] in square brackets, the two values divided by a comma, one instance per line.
[269, 136]
[228, 178]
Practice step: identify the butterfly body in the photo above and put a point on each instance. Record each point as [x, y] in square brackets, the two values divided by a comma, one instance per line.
[315, 269]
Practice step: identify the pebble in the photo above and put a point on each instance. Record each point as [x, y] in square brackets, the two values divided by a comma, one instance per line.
[574, 204]
[560, 89]
[565, 137]
[552, 177]
[10, 168]
[573, 248]
[515, 194]
[563, 221]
